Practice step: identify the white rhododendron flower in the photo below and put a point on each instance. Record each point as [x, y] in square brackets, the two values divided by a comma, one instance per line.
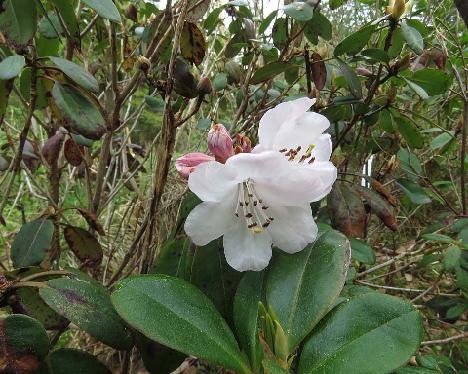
[259, 199]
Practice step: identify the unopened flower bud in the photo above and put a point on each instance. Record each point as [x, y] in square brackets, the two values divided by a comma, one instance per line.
[144, 64]
[204, 86]
[188, 163]
[220, 143]
[364, 72]
[132, 12]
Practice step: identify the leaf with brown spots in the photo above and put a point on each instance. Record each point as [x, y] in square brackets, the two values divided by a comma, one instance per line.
[84, 245]
[73, 152]
[92, 220]
[378, 206]
[347, 210]
[192, 44]
[23, 343]
[319, 71]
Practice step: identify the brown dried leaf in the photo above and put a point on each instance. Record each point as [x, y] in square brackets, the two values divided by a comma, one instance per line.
[73, 152]
[347, 210]
[192, 43]
[381, 189]
[379, 207]
[319, 71]
[51, 148]
[92, 220]
[84, 245]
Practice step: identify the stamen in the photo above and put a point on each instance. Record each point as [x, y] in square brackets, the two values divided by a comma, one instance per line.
[283, 150]
[311, 160]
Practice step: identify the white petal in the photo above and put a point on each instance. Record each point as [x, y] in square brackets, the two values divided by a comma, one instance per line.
[210, 220]
[325, 175]
[212, 181]
[323, 148]
[293, 227]
[262, 165]
[301, 131]
[245, 250]
[273, 119]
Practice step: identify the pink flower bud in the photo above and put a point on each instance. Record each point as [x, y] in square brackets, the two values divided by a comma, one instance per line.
[188, 163]
[220, 143]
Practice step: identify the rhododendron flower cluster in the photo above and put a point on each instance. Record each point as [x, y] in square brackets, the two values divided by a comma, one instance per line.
[261, 197]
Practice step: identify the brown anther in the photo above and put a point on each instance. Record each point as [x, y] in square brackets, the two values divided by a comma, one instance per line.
[298, 149]
[264, 207]
[266, 224]
[241, 203]
[311, 160]
[303, 158]
[248, 215]
[283, 150]
[252, 225]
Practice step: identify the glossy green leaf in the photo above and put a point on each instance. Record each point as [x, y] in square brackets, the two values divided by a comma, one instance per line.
[50, 26]
[352, 79]
[442, 140]
[368, 334]
[105, 8]
[433, 81]
[303, 287]
[80, 114]
[266, 22]
[24, 342]
[11, 67]
[77, 74]
[377, 55]
[318, 26]
[68, 361]
[414, 191]
[87, 304]
[177, 314]
[67, 13]
[300, 11]
[335, 4]
[18, 22]
[270, 71]
[412, 37]
[246, 301]
[212, 20]
[362, 252]
[409, 162]
[32, 242]
[355, 42]
[416, 88]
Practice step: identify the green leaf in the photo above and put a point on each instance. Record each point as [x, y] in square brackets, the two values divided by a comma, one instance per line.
[50, 26]
[269, 71]
[204, 123]
[105, 8]
[266, 22]
[68, 16]
[318, 26]
[414, 191]
[11, 67]
[24, 343]
[300, 11]
[355, 42]
[377, 55]
[438, 238]
[371, 333]
[67, 361]
[18, 22]
[220, 82]
[409, 162]
[77, 74]
[31, 243]
[412, 37]
[409, 132]
[335, 4]
[155, 104]
[87, 304]
[246, 301]
[303, 287]
[433, 81]
[442, 140]
[177, 314]
[362, 252]
[417, 89]
[212, 20]
[80, 115]
[354, 84]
